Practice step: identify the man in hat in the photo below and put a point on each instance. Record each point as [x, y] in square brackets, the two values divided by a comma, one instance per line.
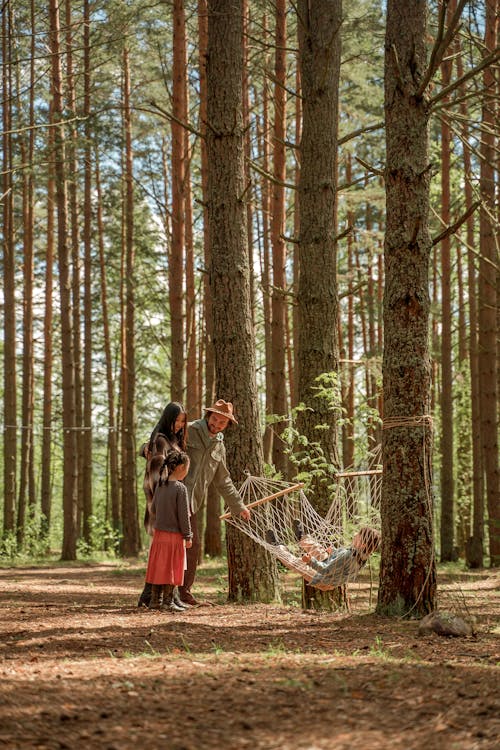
[207, 454]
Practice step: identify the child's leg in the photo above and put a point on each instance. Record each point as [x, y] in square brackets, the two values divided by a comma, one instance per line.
[168, 599]
[145, 597]
[155, 596]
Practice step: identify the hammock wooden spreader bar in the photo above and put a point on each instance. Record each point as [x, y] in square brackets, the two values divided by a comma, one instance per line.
[285, 491]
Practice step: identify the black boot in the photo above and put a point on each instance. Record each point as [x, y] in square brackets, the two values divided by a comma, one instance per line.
[168, 600]
[155, 597]
[145, 597]
[177, 599]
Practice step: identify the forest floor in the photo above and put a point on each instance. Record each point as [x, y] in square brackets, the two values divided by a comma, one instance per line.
[82, 667]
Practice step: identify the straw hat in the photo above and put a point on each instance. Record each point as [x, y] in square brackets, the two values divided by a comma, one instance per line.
[225, 408]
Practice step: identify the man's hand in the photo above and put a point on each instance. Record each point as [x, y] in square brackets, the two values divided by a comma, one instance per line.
[188, 543]
[245, 514]
[306, 558]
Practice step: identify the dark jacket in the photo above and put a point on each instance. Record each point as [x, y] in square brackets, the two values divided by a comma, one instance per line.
[208, 466]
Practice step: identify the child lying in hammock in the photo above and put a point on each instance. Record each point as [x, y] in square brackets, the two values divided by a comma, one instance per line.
[333, 567]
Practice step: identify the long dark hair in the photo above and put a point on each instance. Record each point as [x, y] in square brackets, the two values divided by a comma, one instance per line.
[172, 460]
[166, 426]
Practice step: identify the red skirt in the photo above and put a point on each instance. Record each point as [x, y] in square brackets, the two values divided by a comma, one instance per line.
[166, 559]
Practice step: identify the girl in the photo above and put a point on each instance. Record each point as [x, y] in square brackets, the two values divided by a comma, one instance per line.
[172, 532]
[169, 434]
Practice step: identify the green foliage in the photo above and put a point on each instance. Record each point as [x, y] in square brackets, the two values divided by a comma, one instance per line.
[306, 454]
[8, 547]
[102, 537]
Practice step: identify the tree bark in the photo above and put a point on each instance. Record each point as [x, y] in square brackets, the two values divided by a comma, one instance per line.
[48, 348]
[319, 55]
[488, 363]
[278, 302]
[265, 273]
[74, 234]
[27, 477]
[114, 473]
[9, 325]
[407, 575]
[70, 465]
[87, 442]
[446, 391]
[252, 575]
[177, 253]
[319, 40]
[130, 520]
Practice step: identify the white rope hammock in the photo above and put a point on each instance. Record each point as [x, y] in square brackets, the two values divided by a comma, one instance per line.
[277, 506]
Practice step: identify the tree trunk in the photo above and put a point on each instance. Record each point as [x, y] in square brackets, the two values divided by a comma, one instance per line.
[447, 481]
[265, 273]
[114, 474]
[87, 441]
[349, 369]
[319, 40]
[207, 302]
[176, 256]
[213, 538]
[252, 575]
[9, 302]
[278, 326]
[407, 575]
[488, 363]
[294, 396]
[70, 465]
[475, 531]
[193, 391]
[130, 520]
[74, 233]
[319, 55]
[27, 478]
[48, 347]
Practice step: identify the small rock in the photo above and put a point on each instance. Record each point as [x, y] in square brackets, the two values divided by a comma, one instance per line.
[444, 623]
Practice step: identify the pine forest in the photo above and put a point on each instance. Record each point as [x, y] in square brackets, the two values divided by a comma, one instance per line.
[292, 206]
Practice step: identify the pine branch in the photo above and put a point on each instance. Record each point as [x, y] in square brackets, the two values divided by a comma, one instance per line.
[346, 185]
[486, 61]
[479, 93]
[452, 228]
[433, 65]
[348, 137]
[169, 116]
[369, 167]
[270, 177]
[443, 41]
[360, 131]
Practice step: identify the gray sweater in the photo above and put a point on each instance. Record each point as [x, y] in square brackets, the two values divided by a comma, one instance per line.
[170, 507]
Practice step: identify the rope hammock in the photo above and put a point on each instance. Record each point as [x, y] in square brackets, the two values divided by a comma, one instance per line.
[278, 507]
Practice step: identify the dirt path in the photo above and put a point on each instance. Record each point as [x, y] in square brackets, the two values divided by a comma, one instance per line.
[82, 667]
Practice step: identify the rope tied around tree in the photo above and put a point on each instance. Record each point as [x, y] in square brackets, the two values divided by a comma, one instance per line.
[425, 420]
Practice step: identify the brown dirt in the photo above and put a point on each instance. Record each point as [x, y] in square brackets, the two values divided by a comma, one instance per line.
[82, 667]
